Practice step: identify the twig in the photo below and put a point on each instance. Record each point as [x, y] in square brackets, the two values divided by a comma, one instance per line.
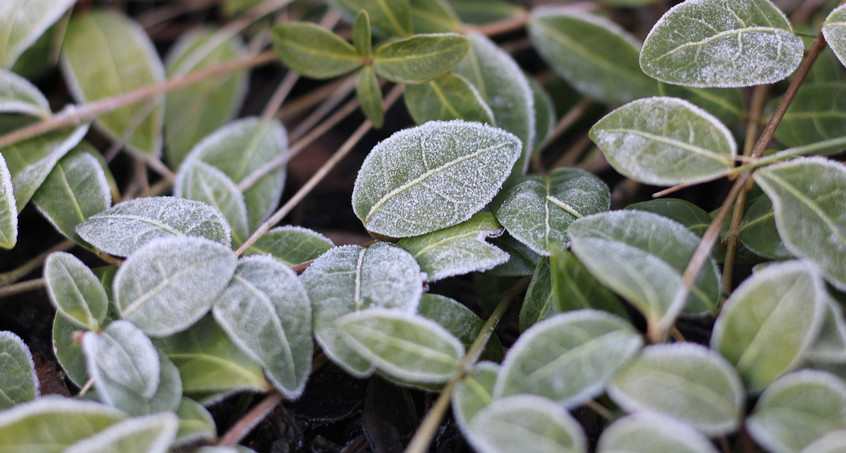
[249, 421]
[324, 108]
[561, 126]
[16, 274]
[20, 288]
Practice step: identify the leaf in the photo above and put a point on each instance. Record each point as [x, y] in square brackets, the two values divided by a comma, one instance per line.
[361, 37]
[641, 257]
[521, 262]
[106, 54]
[726, 104]
[369, 94]
[596, 56]
[575, 288]
[351, 278]
[473, 393]
[798, 409]
[76, 189]
[419, 58]
[809, 216]
[51, 424]
[195, 423]
[539, 302]
[24, 21]
[770, 320]
[291, 244]
[433, 16]
[18, 95]
[460, 321]
[204, 106]
[568, 358]
[538, 210]
[665, 141]
[457, 250]
[694, 218]
[815, 114]
[18, 381]
[8, 209]
[545, 116]
[834, 32]
[432, 168]
[648, 432]
[830, 443]
[512, 423]
[313, 51]
[68, 351]
[75, 291]
[150, 434]
[199, 181]
[450, 97]
[830, 345]
[726, 43]
[122, 356]
[265, 311]
[685, 381]
[391, 18]
[170, 283]
[758, 230]
[130, 225]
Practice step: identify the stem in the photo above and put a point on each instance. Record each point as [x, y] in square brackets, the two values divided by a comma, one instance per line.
[324, 108]
[249, 421]
[498, 28]
[21, 288]
[14, 275]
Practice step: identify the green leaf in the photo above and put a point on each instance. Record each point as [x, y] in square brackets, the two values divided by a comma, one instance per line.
[641, 256]
[432, 169]
[727, 104]
[151, 434]
[450, 97]
[694, 218]
[66, 337]
[537, 210]
[23, 21]
[369, 94]
[389, 17]
[433, 16]
[521, 262]
[569, 357]
[75, 291]
[832, 442]
[403, 346]
[665, 141]
[18, 95]
[265, 311]
[830, 345]
[758, 230]
[361, 37]
[473, 393]
[648, 432]
[291, 244]
[705, 391]
[18, 381]
[544, 109]
[539, 302]
[419, 58]
[726, 43]
[806, 201]
[203, 106]
[457, 250]
[170, 283]
[8, 209]
[513, 423]
[834, 31]
[51, 424]
[575, 288]
[460, 321]
[313, 51]
[195, 423]
[106, 54]
[351, 278]
[200, 181]
[76, 189]
[770, 320]
[815, 114]
[596, 56]
[628, 3]
[798, 409]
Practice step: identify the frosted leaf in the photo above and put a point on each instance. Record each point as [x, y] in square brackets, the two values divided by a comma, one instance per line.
[170, 283]
[122, 359]
[195, 424]
[832, 442]
[522, 260]
[8, 210]
[834, 31]
[721, 43]
[649, 432]
[265, 311]
[539, 302]
[18, 95]
[432, 177]
[291, 244]
[457, 250]
[538, 210]
[130, 225]
[830, 345]
[18, 381]
[23, 21]
[199, 181]
[815, 114]
[75, 291]
[150, 434]
[351, 278]
[473, 393]
[389, 18]
[665, 141]
[460, 321]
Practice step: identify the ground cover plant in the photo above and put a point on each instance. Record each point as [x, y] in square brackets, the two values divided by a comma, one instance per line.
[365, 225]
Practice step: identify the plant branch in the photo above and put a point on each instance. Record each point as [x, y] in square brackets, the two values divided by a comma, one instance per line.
[20, 288]
[249, 421]
[7, 278]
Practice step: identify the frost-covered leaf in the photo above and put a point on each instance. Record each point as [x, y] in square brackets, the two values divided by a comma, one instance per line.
[313, 51]
[457, 250]
[75, 291]
[170, 283]
[537, 210]
[758, 230]
[266, 312]
[798, 409]
[830, 345]
[809, 213]
[539, 302]
[725, 43]
[402, 345]
[595, 55]
[291, 244]
[23, 21]
[450, 97]
[433, 16]
[351, 278]
[460, 321]
[648, 432]
[684, 212]
[770, 320]
[68, 351]
[122, 356]
[575, 288]
[473, 392]
[641, 256]
[8, 210]
[513, 423]
[200, 181]
[726, 104]
[369, 94]
[427, 178]
[195, 423]
[204, 106]
[76, 189]
[18, 381]
[419, 58]
[522, 260]
[685, 381]
[105, 54]
[834, 31]
[832, 442]
[569, 357]
[665, 141]
[130, 225]
[150, 434]
[18, 95]
[391, 18]
[815, 114]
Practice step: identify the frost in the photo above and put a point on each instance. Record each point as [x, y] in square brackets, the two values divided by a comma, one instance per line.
[432, 177]
[199, 181]
[291, 244]
[834, 31]
[8, 210]
[122, 356]
[75, 291]
[23, 21]
[128, 226]
[18, 95]
[18, 381]
[149, 434]
[647, 432]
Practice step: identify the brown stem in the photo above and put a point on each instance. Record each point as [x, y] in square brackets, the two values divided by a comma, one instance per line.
[20, 288]
[249, 421]
[16, 274]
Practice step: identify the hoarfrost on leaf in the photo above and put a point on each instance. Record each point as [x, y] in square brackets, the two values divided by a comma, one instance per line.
[149, 434]
[834, 31]
[18, 381]
[8, 210]
[75, 291]
[649, 432]
[199, 181]
[125, 357]
[18, 95]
